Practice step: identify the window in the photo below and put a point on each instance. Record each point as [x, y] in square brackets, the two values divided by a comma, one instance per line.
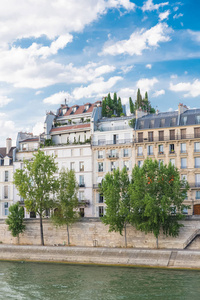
[161, 135]
[72, 166]
[6, 175]
[183, 147]
[150, 150]
[140, 163]
[101, 140]
[112, 153]
[32, 214]
[5, 208]
[81, 195]
[5, 192]
[81, 166]
[197, 162]
[183, 163]
[150, 136]
[197, 119]
[100, 198]
[196, 147]
[160, 149]
[197, 180]
[112, 166]
[101, 211]
[127, 138]
[82, 212]
[81, 181]
[172, 161]
[197, 132]
[100, 167]
[197, 194]
[183, 133]
[126, 165]
[125, 152]
[184, 121]
[140, 137]
[185, 211]
[100, 154]
[172, 134]
[115, 138]
[141, 124]
[139, 151]
[161, 161]
[171, 148]
[184, 177]
[173, 122]
[162, 123]
[151, 124]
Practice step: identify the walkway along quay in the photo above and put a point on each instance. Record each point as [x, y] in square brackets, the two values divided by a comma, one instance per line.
[103, 256]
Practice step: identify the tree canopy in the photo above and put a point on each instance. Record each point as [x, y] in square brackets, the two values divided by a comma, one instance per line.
[156, 198]
[67, 200]
[15, 220]
[111, 106]
[37, 184]
[115, 191]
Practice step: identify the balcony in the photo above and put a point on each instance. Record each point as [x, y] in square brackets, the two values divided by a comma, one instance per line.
[100, 156]
[197, 166]
[83, 203]
[97, 186]
[150, 153]
[167, 138]
[195, 185]
[112, 142]
[81, 184]
[112, 156]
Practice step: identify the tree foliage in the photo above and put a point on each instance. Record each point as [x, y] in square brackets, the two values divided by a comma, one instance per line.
[156, 198]
[15, 220]
[115, 191]
[36, 183]
[67, 200]
[111, 106]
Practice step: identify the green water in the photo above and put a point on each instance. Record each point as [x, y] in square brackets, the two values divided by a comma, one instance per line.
[63, 281]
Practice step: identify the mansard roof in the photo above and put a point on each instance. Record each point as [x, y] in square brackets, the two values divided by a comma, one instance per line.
[3, 152]
[80, 109]
[70, 127]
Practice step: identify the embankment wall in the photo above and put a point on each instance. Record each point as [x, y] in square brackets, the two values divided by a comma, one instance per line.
[91, 232]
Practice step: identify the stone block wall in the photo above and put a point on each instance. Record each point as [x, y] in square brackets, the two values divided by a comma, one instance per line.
[91, 232]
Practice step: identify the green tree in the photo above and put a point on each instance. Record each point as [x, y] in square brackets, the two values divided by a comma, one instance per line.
[15, 220]
[115, 103]
[104, 113]
[157, 196]
[131, 105]
[36, 183]
[119, 107]
[138, 102]
[109, 107]
[115, 191]
[67, 200]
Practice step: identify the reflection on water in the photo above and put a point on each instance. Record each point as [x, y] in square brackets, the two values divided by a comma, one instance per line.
[63, 281]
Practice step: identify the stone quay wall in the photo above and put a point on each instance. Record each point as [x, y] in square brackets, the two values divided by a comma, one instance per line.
[92, 233]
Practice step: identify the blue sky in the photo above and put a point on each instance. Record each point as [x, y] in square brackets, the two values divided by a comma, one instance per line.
[81, 50]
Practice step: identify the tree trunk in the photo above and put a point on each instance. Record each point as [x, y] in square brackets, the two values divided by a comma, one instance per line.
[41, 231]
[18, 239]
[68, 235]
[125, 235]
[157, 242]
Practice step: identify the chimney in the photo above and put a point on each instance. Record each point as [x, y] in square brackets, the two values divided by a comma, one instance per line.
[140, 113]
[8, 145]
[182, 108]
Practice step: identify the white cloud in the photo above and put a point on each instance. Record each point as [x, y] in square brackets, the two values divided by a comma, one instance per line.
[8, 129]
[126, 69]
[36, 18]
[146, 84]
[177, 16]
[139, 41]
[38, 128]
[158, 93]
[148, 5]
[174, 76]
[38, 93]
[191, 89]
[195, 35]
[97, 89]
[4, 100]
[149, 66]
[175, 8]
[125, 93]
[164, 15]
[57, 98]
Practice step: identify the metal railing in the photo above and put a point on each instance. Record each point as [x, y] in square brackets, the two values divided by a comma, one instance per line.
[194, 184]
[114, 128]
[81, 184]
[112, 142]
[110, 155]
[167, 138]
[83, 202]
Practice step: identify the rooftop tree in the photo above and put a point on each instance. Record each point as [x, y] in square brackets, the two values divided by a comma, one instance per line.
[36, 183]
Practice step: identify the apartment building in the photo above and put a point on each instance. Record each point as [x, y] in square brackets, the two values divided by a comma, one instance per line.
[173, 137]
[112, 147]
[6, 177]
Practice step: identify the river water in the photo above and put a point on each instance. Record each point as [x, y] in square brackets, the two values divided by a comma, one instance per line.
[23, 280]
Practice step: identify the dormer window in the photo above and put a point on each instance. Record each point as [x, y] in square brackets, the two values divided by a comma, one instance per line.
[173, 122]
[141, 124]
[151, 124]
[162, 123]
[87, 106]
[184, 121]
[74, 108]
[197, 119]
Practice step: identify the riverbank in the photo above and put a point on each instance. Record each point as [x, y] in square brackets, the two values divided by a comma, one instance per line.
[103, 256]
